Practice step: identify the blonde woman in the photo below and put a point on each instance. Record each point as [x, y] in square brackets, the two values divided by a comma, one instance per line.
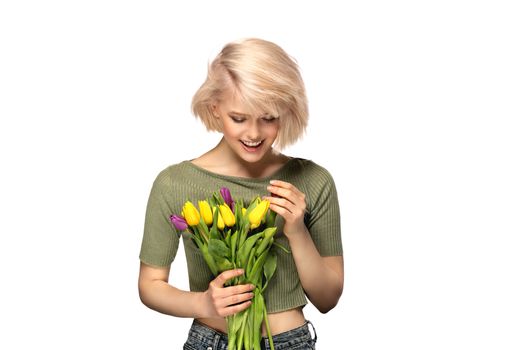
[254, 95]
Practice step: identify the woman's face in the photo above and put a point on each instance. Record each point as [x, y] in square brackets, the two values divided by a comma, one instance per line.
[249, 136]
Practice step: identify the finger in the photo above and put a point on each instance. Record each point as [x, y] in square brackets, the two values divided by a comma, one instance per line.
[283, 184]
[231, 310]
[220, 280]
[239, 289]
[298, 200]
[279, 191]
[234, 295]
[280, 201]
[284, 212]
[283, 204]
[236, 299]
[284, 189]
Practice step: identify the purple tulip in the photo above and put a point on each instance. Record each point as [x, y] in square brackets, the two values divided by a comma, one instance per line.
[179, 222]
[227, 196]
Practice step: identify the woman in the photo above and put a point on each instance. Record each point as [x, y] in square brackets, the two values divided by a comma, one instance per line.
[254, 95]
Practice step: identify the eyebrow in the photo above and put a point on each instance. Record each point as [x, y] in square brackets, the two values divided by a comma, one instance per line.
[239, 114]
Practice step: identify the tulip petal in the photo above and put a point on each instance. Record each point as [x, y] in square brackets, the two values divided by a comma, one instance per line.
[227, 196]
[179, 222]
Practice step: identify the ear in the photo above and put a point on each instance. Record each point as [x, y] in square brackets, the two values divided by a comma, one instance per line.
[215, 110]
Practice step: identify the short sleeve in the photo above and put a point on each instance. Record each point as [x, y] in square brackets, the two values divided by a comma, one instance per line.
[160, 240]
[323, 216]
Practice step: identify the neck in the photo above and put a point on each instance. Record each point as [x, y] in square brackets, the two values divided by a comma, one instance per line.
[222, 160]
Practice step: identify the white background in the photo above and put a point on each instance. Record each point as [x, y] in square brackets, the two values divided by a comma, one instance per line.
[416, 109]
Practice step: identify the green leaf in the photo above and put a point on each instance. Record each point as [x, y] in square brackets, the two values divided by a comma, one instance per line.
[269, 267]
[232, 335]
[240, 334]
[214, 231]
[238, 211]
[233, 245]
[216, 199]
[246, 247]
[255, 273]
[218, 249]
[248, 332]
[209, 259]
[203, 230]
[243, 233]
[258, 305]
[280, 246]
[270, 218]
[223, 265]
[227, 237]
[251, 261]
[268, 234]
[237, 322]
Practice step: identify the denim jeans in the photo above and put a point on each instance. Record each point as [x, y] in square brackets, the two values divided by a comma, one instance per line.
[201, 337]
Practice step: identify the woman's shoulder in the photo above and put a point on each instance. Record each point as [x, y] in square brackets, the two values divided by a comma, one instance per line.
[172, 171]
[309, 169]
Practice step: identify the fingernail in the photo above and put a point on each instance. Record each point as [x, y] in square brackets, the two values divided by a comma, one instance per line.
[272, 181]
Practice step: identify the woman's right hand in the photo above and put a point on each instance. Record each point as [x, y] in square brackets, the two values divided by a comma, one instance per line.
[223, 301]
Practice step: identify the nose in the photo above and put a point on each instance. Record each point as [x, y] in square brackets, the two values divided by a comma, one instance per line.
[253, 131]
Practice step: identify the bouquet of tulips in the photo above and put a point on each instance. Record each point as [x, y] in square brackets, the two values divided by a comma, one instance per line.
[231, 236]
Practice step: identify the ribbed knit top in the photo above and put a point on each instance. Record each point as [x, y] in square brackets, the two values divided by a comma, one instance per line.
[186, 181]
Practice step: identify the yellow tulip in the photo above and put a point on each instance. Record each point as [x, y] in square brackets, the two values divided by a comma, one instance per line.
[205, 210]
[257, 214]
[220, 221]
[227, 215]
[191, 214]
[243, 210]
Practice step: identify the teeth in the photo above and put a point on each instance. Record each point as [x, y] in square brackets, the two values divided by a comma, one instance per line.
[252, 144]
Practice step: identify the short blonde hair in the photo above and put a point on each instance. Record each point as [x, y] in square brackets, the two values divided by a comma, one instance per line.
[265, 78]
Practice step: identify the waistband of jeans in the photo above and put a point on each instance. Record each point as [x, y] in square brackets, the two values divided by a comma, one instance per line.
[301, 332]
[201, 330]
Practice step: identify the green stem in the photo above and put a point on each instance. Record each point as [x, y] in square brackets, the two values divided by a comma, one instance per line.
[231, 335]
[240, 334]
[268, 332]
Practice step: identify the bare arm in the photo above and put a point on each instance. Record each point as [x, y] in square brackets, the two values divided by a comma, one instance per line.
[321, 277]
[157, 294]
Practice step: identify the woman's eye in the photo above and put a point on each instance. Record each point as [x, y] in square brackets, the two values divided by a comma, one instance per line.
[269, 119]
[237, 119]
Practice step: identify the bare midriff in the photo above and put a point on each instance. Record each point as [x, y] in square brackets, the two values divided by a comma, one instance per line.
[279, 322]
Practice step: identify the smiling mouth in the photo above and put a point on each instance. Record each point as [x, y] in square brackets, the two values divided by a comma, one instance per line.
[252, 144]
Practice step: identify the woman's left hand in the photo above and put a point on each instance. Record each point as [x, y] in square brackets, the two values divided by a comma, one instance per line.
[290, 203]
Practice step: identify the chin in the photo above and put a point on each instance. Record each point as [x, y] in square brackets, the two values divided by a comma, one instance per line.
[252, 157]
